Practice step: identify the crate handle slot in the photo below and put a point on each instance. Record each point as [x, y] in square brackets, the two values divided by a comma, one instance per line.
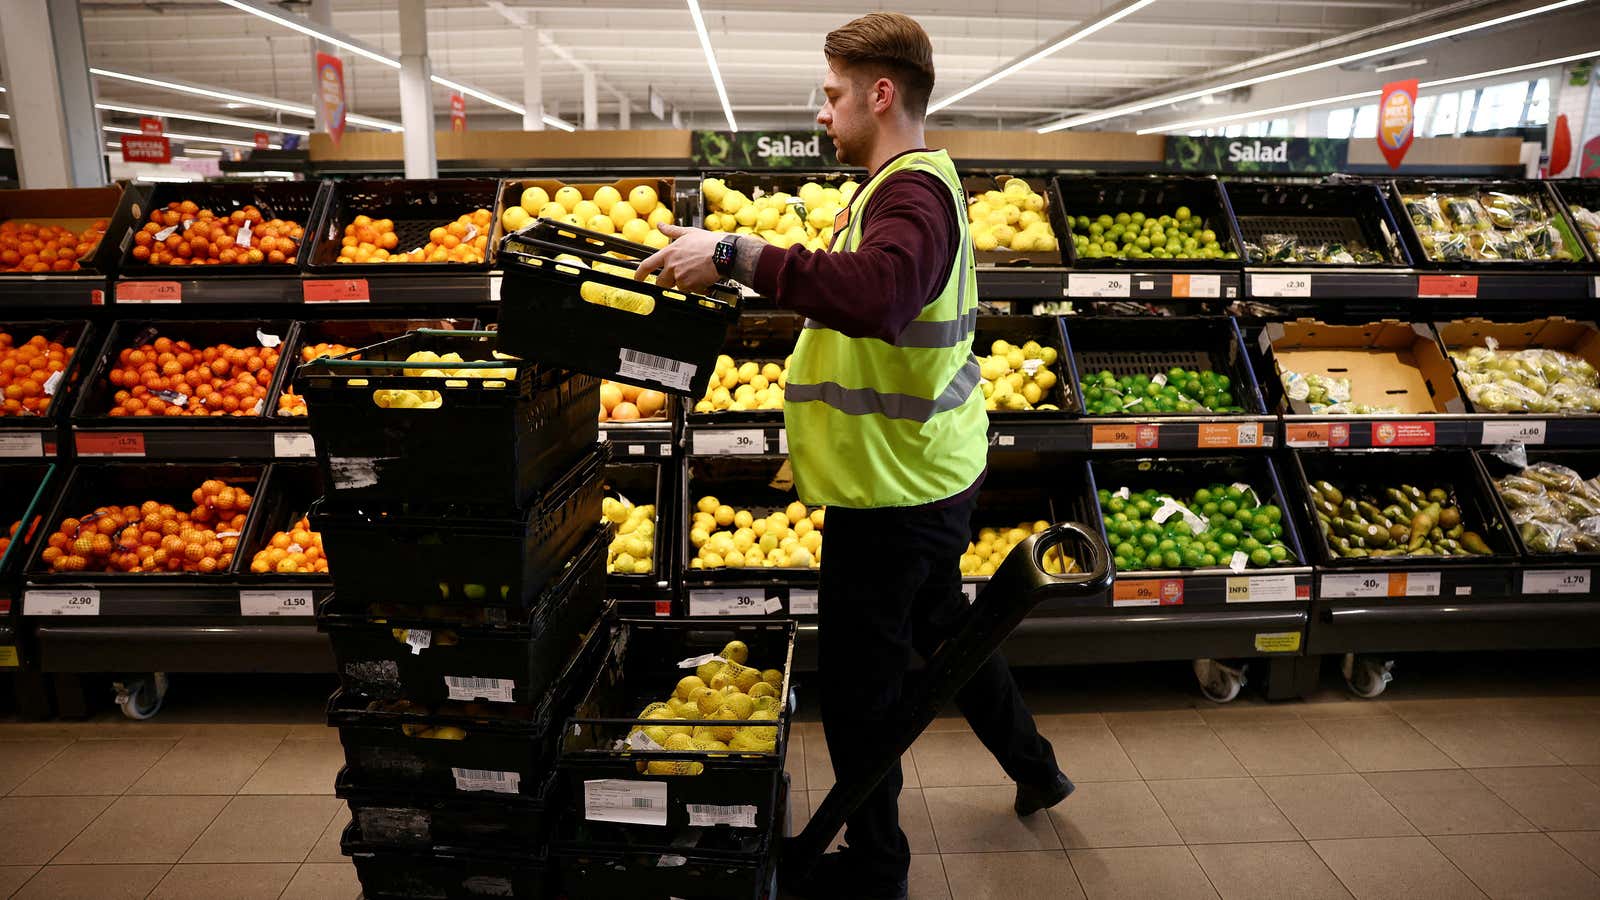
[433, 403]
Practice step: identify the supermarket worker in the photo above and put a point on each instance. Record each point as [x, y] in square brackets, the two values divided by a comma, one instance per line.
[886, 428]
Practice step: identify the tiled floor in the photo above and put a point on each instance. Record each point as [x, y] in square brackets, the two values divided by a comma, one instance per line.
[1450, 787]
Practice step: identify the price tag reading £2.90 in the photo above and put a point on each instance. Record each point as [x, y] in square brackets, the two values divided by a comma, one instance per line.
[80, 602]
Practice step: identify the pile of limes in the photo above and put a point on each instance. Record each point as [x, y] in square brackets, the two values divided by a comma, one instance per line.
[1221, 520]
[1177, 390]
[1182, 235]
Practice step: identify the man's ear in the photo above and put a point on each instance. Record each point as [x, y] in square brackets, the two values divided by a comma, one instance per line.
[883, 95]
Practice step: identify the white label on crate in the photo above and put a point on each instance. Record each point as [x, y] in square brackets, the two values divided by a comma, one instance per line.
[1280, 285]
[1555, 581]
[1239, 561]
[741, 816]
[53, 383]
[1261, 589]
[467, 687]
[1344, 587]
[267, 340]
[352, 472]
[487, 780]
[275, 603]
[695, 662]
[418, 639]
[22, 444]
[971, 590]
[802, 602]
[1526, 431]
[636, 449]
[1147, 285]
[494, 288]
[1205, 286]
[629, 802]
[728, 443]
[80, 602]
[634, 364]
[297, 444]
[783, 441]
[772, 605]
[1080, 285]
[1030, 367]
[1423, 584]
[725, 603]
[638, 740]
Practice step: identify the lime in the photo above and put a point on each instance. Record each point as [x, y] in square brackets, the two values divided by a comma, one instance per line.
[1172, 559]
[1154, 560]
[1278, 552]
[1148, 541]
[1228, 507]
[1260, 557]
[1229, 540]
[1273, 514]
[1183, 214]
[1264, 535]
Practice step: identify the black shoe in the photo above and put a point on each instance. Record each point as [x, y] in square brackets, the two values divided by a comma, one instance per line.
[835, 877]
[1033, 797]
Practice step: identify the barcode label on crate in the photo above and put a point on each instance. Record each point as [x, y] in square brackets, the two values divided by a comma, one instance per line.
[353, 472]
[742, 816]
[488, 780]
[802, 602]
[629, 802]
[418, 639]
[494, 690]
[660, 369]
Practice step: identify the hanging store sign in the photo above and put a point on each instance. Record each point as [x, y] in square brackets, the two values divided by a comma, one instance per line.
[763, 149]
[330, 94]
[458, 112]
[1397, 115]
[150, 126]
[139, 148]
[1245, 154]
[262, 140]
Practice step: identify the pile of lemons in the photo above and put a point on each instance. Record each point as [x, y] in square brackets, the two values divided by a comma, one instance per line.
[638, 217]
[434, 365]
[738, 539]
[1017, 378]
[781, 219]
[746, 385]
[632, 551]
[985, 555]
[725, 690]
[1012, 218]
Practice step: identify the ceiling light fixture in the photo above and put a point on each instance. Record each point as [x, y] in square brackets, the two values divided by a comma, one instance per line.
[711, 61]
[309, 29]
[1408, 64]
[1065, 40]
[195, 117]
[1120, 111]
[197, 138]
[236, 101]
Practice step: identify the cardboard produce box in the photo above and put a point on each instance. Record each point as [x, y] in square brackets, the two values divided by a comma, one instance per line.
[1564, 385]
[976, 186]
[1390, 365]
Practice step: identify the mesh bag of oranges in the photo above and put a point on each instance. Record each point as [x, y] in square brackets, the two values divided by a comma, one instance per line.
[30, 373]
[296, 551]
[34, 248]
[466, 240]
[154, 536]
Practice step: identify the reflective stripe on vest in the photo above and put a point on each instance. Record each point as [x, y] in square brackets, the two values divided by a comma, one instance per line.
[866, 401]
[931, 334]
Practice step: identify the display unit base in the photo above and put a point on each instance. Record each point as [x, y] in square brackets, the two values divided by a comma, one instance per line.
[287, 648]
[1389, 626]
[1116, 637]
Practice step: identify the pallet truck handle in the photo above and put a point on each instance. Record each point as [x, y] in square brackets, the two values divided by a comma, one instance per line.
[1016, 587]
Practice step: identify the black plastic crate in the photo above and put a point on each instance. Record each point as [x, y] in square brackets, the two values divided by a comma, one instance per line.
[1539, 191]
[79, 338]
[632, 331]
[1584, 194]
[975, 185]
[26, 489]
[1585, 462]
[445, 874]
[1047, 331]
[412, 658]
[353, 334]
[287, 492]
[427, 557]
[386, 819]
[744, 483]
[1157, 344]
[291, 201]
[492, 441]
[1024, 487]
[78, 208]
[96, 393]
[416, 206]
[641, 484]
[642, 666]
[761, 338]
[1153, 195]
[1346, 214]
[1452, 469]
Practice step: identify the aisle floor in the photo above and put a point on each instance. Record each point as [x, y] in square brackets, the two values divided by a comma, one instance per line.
[1452, 786]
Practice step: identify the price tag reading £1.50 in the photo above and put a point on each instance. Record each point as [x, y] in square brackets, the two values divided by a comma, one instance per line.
[275, 603]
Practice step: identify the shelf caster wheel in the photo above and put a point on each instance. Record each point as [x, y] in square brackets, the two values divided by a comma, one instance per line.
[1366, 677]
[140, 698]
[1220, 683]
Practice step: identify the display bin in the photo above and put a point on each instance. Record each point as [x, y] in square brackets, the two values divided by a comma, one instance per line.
[645, 483]
[413, 658]
[1350, 214]
[293, 201]
[744, 483]
[1550, 333]
[427, 556]
[642, 666]
[288, 490]
[631, 331]
[976, 184]
[511, 191]
[1496, 465]
[492, 442]
[352, 333]
[1154, 195]
[1027, 487]
[455, 874]
[1047, 331]
[1160, 343]
[77, 209]
[1414, 221]
[23, 433]
[416, 206]
[1580, 197]
[760, 338]
[1392, 365]
[96, 393]
[386, 819]
[759, 184]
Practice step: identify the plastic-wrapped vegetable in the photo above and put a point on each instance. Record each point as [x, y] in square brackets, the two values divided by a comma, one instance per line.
[1510, 210]
[1425, 213]
[1494, 226]
[1465, 213]
[1554, 508]
[1588, 223]
[1530, 380]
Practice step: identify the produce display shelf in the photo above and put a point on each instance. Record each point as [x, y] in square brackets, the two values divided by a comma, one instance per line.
[217, 645]
[1121, 433]
[1021, 282]
[55, 291]
[754, 596]
[731, 439]
[1390, 625]
[1275, 634]
[1329, 283]
[433, 288]
[1507, 286]
[275, 440]
[1447, 430]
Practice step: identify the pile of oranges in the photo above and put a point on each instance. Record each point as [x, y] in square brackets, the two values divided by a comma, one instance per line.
[172, 378]
[25, 369]
[183, 234]
[466, 240]
[296, 551]
[154, 536]
[11, 533]
[292, 404]
[26, 247]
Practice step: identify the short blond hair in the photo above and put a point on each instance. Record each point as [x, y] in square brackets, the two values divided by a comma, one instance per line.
[891, 45]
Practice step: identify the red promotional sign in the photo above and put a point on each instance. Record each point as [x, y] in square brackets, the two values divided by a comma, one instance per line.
[145, 149]
[458, 112]
[330, 93]
[1397, 114]
[150, 126]
[263, 141]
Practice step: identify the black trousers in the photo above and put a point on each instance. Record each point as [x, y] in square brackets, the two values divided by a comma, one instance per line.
[891, 587]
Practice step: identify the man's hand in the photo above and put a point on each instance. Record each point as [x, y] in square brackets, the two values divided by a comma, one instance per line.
[685, 264]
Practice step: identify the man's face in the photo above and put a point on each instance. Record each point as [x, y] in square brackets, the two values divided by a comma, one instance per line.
[847, 115]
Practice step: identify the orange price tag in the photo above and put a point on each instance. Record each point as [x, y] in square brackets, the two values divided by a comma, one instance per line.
[1142, 436]
[1317, 434]
[336, 290]
[149, 292]
[1447, 285]
[92, 443]
[1228, 434]
[1147, 592]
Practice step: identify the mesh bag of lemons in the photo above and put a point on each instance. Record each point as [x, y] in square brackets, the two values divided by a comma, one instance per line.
[1012, 218]
[724, 537]
[435, 365]
[632, 550]
[1018, 378]
[993, 545]
[779, 218]
[729, 695]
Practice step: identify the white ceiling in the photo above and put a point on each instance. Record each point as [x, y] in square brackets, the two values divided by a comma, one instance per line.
[769, 52]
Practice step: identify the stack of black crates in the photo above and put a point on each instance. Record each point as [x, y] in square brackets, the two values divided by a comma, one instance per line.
[462, 505]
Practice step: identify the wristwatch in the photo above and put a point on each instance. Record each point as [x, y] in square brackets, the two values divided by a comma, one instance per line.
[722, 255]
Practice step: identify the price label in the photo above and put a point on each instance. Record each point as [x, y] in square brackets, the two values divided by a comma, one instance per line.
[627, 801]
[1381, 584]
[275, 603]
[783, 441]
[487, 780]
[105, 443]
[1228, 434]
[28, 444]
[1261, 589]
[1317, 434]
[1148, 592]
[726, 603]
[149, 292]
[1403, 434]
[335, 290]
[293, 444]
[1141, 436]
[1280, 285]
[737, 442]
[76, 602]
[1524, 431]
[802, 602]
[1197, 286]
[1556, 581]
[1447, 285]
[1081, 285]
[494, 288]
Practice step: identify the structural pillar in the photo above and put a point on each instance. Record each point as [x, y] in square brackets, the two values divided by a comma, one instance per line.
[532, 80]
[416, 91]
[624, 113]
[54, 124]
[591, 101]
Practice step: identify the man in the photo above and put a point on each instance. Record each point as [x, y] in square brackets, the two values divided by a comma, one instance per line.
[886, 428]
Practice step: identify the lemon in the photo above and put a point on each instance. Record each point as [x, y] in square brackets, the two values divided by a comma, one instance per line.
[796, 512]
[606, 196]
[569, 197]
[534, 199]
[514, 218]
[732, 202]
[810, 193]
[659, 216]
[622, 213]
[1024, 241]
[587, 209]
[767, 219]
[656, 240]
[762, 689]
[636, 230]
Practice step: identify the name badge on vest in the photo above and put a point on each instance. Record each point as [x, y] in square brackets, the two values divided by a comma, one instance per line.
[841, 219]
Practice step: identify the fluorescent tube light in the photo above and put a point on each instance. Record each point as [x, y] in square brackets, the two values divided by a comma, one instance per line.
[309, 29]
[1395, 67]
[195, 117]
[198, 138]
[711, 61]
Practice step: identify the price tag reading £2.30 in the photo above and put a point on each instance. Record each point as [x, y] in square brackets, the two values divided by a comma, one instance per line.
[1280, 285]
